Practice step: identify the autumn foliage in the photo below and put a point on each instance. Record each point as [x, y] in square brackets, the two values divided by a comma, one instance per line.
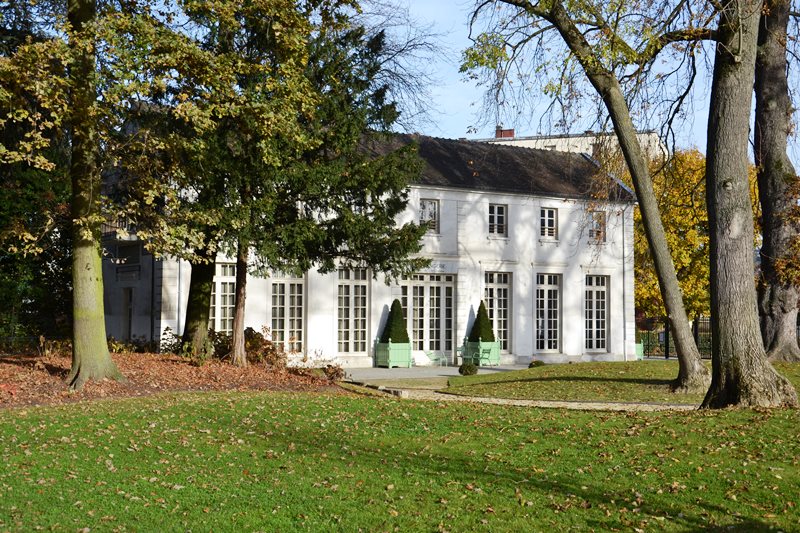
[681, 189]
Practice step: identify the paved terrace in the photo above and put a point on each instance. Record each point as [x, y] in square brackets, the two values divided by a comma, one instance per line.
[368, 375]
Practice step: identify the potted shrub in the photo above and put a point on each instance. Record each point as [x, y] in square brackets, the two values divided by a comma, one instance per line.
[394, 347]
[480, 347]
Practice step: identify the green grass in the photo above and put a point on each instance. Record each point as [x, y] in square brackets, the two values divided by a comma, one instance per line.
[639, 381]
[288, 462]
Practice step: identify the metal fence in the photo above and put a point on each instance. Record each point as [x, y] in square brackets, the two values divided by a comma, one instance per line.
[659, 342]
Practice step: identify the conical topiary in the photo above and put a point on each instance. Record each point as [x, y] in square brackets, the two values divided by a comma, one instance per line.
[482, 327]
[395, 328]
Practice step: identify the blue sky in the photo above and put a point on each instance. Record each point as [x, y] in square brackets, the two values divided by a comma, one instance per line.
[457, 102]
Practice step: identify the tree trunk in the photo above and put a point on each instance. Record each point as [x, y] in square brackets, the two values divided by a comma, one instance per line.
[741, 375]
[90, 357]
[777, 297]
[693, 376]
[238, 352]
[195, 332]
[778, 311]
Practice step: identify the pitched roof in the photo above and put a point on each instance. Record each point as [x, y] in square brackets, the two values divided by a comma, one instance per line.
[489, 167]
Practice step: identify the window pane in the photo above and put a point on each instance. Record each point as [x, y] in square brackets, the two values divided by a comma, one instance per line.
[596, 311]
[352, 310]
[548, 312]
[498, 219]
[431, 320]
[429, 214]
[497, 295]
[548, 222]
[597, 226]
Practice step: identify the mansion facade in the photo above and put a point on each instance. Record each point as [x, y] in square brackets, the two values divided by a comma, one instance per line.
[542, 237]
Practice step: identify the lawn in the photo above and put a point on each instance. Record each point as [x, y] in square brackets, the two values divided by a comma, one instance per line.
[638, 381]
[268, 461]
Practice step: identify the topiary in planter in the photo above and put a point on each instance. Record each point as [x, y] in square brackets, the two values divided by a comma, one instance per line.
[468, 369]
[482, 327]
[395, 328]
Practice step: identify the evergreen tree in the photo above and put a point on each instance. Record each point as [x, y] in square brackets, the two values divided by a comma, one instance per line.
[291, 173]
[482, 327]
[395, 329]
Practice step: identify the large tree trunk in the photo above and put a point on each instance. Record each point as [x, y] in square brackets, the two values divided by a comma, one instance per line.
[90, 357]
[693, 376]
[777, 296]
[740, 374]
[238, 353]
[195, 332]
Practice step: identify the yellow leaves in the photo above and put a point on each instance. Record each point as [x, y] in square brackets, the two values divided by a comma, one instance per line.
[33, 101]
[680, 188]
[488, 52]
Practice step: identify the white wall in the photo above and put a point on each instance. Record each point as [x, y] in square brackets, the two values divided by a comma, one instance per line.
[524, 254]
[463, 247]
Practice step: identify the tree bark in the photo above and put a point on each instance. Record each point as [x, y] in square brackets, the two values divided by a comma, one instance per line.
[741, 375]
[195, 332]
[778, 297]
[693, 376]
[90, 357]
[238, 352]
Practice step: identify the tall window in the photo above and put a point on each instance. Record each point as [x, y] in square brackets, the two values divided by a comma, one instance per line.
[497, 295]
[548, 223]
[223, 299]
[597, 226]
[498, 220]
[352, 309]
[429, 214]
[548, 312]
[596, 313]
[427, 301]
[287, 313]
[127, 313]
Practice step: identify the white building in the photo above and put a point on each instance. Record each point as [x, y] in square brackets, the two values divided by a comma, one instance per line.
[595, 144]
[516, 227]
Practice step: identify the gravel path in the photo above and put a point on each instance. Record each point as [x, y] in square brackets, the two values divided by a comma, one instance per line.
[433, 395]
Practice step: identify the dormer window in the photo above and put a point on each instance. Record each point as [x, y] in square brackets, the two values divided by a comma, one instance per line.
[429, 214]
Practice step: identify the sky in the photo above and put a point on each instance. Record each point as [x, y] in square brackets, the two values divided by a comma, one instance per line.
[456, 102]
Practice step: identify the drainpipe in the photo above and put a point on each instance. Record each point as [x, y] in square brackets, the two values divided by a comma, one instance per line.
[178, 320]
[152, 297]
[624, 290]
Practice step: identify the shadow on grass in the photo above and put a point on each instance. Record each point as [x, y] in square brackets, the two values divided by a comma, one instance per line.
[558, 491]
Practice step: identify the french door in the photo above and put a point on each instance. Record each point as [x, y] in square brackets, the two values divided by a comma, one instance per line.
[548, 312]
[497, 295]
[428, 303]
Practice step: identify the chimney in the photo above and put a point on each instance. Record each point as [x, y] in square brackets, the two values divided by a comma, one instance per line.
[500, 133]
